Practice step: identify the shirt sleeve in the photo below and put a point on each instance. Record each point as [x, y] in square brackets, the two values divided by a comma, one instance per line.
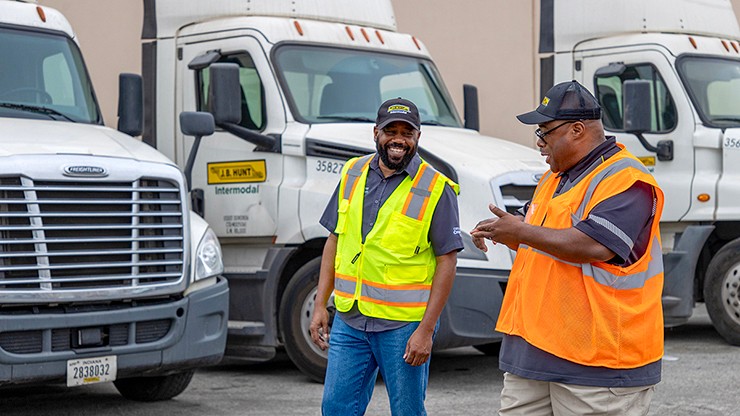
[331, 213]
[444, 231]
[621, 221]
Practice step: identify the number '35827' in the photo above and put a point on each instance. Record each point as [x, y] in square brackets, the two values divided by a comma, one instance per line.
[328, 166]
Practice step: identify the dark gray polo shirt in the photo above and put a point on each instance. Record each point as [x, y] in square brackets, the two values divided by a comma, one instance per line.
[444, 232]
[616, 222]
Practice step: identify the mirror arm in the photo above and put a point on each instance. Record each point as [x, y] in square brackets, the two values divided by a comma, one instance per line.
[649, 147]
[191, 161]
[664, 149]
[261, 140]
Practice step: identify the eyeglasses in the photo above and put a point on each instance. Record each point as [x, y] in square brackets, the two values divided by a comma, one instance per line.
[541, 134]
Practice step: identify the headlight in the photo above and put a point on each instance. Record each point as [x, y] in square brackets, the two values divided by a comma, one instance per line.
[470, 251]
[208, 257]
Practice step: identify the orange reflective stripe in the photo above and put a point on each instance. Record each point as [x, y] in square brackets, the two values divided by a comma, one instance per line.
[345, 277]
[342, 294]
[398, 304]
[357, 180]
[421, 192]
[426, 200]
[419, 174]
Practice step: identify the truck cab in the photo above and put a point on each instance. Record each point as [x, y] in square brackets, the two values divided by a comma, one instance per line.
[688, 55]
[312, 75]
[105, 274]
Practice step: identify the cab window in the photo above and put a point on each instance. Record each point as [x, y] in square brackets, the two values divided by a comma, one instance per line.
[252, 91]
[663, 112]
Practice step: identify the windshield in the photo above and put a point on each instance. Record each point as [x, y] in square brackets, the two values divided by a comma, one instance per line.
[329, 85]
[43, 77]
[714, 87]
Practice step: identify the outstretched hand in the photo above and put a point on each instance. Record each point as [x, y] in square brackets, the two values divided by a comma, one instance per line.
[503, 228]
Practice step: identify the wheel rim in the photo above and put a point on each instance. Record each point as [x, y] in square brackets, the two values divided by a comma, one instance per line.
[306, 316]
[731, 293]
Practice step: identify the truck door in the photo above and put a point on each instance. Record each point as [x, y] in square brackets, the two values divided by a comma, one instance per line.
[671, 116]
[240, 181]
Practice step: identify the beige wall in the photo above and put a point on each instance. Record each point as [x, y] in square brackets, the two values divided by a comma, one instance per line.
[487, 43]
[109, 33]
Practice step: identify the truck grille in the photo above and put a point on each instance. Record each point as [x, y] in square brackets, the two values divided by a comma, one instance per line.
[60, 236]
[515, 196]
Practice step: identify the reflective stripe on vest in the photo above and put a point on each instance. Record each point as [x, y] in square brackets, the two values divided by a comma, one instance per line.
[421, 190]
[344, 285]
[622, 281]
[353, 175]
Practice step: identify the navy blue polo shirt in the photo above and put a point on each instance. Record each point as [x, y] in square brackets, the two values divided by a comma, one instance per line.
[444, 231]
[621, 223]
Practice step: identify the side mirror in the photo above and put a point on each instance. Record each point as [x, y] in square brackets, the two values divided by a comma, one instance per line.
[472, 114]
[198, 124]
[225, 103]
[224, 93]
[637, 116]
[636, 102]
[130, 104]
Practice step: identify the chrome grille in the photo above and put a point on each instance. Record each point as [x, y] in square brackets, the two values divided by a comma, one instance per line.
[58, 236]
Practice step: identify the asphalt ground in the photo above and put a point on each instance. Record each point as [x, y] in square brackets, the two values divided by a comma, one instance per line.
[701, 376]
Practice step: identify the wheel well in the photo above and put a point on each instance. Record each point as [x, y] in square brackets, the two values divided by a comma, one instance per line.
[305, 253]
[723, 233]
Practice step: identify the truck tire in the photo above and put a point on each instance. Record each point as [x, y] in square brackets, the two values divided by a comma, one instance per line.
[296, 311]
[722, 292]
[153, 389]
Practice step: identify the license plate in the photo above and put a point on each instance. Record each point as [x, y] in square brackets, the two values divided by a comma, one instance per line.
[91, 370]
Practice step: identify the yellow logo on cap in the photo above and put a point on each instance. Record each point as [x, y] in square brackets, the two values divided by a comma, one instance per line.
[399, 109]
[545, 101]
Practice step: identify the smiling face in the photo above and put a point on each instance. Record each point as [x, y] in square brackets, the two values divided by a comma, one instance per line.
[396, 144]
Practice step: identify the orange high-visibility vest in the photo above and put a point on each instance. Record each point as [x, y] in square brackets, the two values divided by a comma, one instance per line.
[390, 276]
[594, 314]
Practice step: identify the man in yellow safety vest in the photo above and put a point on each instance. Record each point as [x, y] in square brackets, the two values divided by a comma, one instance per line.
[390, 259]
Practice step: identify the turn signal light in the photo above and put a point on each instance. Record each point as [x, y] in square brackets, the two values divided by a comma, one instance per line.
[703, 197]
[41, 13]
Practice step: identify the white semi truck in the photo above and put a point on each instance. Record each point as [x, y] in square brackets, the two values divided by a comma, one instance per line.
[311, 76]
[105, 274]
[685, 128]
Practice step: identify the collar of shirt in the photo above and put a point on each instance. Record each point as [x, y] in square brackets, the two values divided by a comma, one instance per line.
[607, 149]
[411, 168]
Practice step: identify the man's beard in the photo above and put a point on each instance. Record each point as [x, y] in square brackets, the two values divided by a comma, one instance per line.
[383, 152]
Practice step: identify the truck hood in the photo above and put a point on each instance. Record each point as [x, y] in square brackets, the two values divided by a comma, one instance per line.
[463, 149]
[40, 137]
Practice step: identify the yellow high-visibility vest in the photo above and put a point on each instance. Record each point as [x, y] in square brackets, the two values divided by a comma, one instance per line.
[594, 314]
[390, 276]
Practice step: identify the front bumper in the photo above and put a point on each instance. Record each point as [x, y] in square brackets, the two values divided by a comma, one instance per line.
[472, 309]
[152, 338]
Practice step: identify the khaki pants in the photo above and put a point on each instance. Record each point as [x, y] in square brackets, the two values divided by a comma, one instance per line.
[522, 396]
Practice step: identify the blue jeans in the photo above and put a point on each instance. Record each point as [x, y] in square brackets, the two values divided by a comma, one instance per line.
[354, 360]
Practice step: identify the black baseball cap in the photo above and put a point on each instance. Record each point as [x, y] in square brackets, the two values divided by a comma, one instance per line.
[398, 109]
[565, 101]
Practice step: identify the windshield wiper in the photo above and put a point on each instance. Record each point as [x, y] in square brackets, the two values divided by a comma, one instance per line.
[37, 109]
[348, 118]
